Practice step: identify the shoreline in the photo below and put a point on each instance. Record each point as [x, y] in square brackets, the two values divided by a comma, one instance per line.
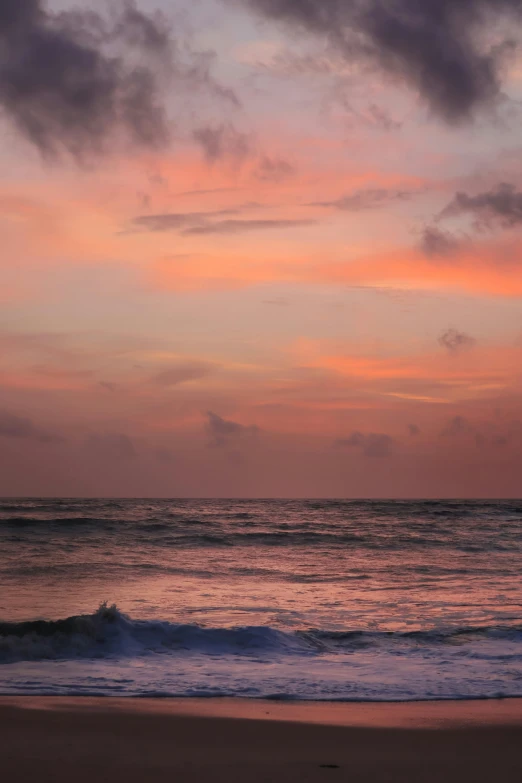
[429, 713]
[108, 739]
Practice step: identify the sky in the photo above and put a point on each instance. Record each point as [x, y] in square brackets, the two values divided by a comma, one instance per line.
[261, 248]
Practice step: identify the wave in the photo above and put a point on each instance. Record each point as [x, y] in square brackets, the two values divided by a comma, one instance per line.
[110, 633]
[41, 523]
[209, 535]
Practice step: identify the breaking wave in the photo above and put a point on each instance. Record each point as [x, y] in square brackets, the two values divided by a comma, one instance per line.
[108, 633]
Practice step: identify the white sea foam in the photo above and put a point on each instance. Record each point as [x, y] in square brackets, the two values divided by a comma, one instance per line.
[108, 652]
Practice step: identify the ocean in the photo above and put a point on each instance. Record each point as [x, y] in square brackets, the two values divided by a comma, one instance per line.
[316, 600]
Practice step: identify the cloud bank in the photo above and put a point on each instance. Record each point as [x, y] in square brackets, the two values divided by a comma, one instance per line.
[450, 51]
[70, 80]
[13, 426]
[501, 205]
[223, 431]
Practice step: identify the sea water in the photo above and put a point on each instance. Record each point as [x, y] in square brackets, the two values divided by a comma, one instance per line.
[337, 600]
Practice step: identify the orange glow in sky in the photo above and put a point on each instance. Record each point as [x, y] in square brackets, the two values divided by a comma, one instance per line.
[280, 257]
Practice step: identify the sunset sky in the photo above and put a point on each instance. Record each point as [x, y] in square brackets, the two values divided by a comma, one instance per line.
[261, 248]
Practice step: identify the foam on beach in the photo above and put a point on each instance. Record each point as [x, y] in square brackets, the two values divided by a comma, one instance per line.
[108, 652]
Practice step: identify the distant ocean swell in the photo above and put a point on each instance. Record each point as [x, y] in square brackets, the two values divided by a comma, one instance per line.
[206, 535]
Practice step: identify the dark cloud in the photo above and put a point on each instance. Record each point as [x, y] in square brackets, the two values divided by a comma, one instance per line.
[175, 221]
[446, 50]
[194, 223]
[146, 32]
[501, 205]
[365, 199]
[81, 82]
[436, 242]
[456, 426]
[111, 445]
[12, 426]
[183, 372]
[274, 169]
[244, 226]
[223, 431]
[68, 81]
[454, 341]
[372, 444]
[223, 141]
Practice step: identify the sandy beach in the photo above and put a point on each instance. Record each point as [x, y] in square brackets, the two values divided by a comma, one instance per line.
[149, 740]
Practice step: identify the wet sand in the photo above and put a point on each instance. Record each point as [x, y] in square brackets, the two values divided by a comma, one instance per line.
[85, 740]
